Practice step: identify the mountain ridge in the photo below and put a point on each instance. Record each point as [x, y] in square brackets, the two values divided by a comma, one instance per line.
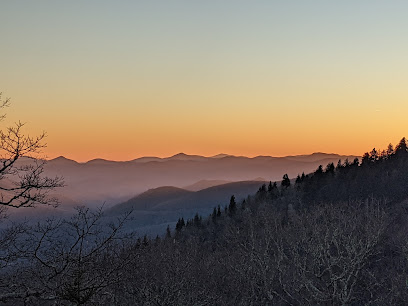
[101, 181]
[184, 156]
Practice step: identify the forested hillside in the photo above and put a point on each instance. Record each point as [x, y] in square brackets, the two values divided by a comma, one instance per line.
[333, 237]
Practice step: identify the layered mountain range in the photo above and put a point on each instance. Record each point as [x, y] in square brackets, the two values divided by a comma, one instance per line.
[102, 181]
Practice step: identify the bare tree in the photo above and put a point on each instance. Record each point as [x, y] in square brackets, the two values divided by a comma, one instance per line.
[67, 261]
[326, 254]
[22, 184]
[330, 254]
[22, 180]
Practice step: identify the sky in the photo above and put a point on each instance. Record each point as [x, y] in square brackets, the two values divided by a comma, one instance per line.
[124, 79]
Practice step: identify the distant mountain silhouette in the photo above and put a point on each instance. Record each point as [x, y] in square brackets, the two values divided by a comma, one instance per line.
[186, 157]
[147, 159]
[317, 156]
[102, 181]
[62, 159]
[101, 161]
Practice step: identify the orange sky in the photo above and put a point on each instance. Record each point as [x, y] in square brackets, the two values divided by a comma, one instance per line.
[123, 81]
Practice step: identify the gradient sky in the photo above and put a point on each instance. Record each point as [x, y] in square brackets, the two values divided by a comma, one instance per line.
[123, 79]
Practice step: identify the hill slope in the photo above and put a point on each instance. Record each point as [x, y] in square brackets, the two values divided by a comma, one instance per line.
[173, 199]
[149, 199]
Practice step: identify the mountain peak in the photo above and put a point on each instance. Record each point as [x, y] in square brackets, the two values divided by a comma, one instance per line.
[186, 157]
[181, 154]
[62, 159]
[100, 161]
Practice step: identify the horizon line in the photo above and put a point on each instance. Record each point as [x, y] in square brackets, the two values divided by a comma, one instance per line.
[220, 155]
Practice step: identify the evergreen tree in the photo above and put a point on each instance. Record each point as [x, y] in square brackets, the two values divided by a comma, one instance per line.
[214, 215]
[270, 187]
[197, 220]
[401, 148]
[285, 181]
[178, 225]
[298, 180]
[330, 168]
[319, 171]
[262, 192]
[366, 159]
[383, 155]
[233, 205]
[168, 232]
[390, 150]
[219, 211]
[356, 162]
[373, 155]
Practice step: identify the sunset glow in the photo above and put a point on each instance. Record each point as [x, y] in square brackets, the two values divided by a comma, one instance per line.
[124, 80]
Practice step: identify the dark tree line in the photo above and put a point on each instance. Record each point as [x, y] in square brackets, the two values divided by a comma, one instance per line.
[380, 174]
